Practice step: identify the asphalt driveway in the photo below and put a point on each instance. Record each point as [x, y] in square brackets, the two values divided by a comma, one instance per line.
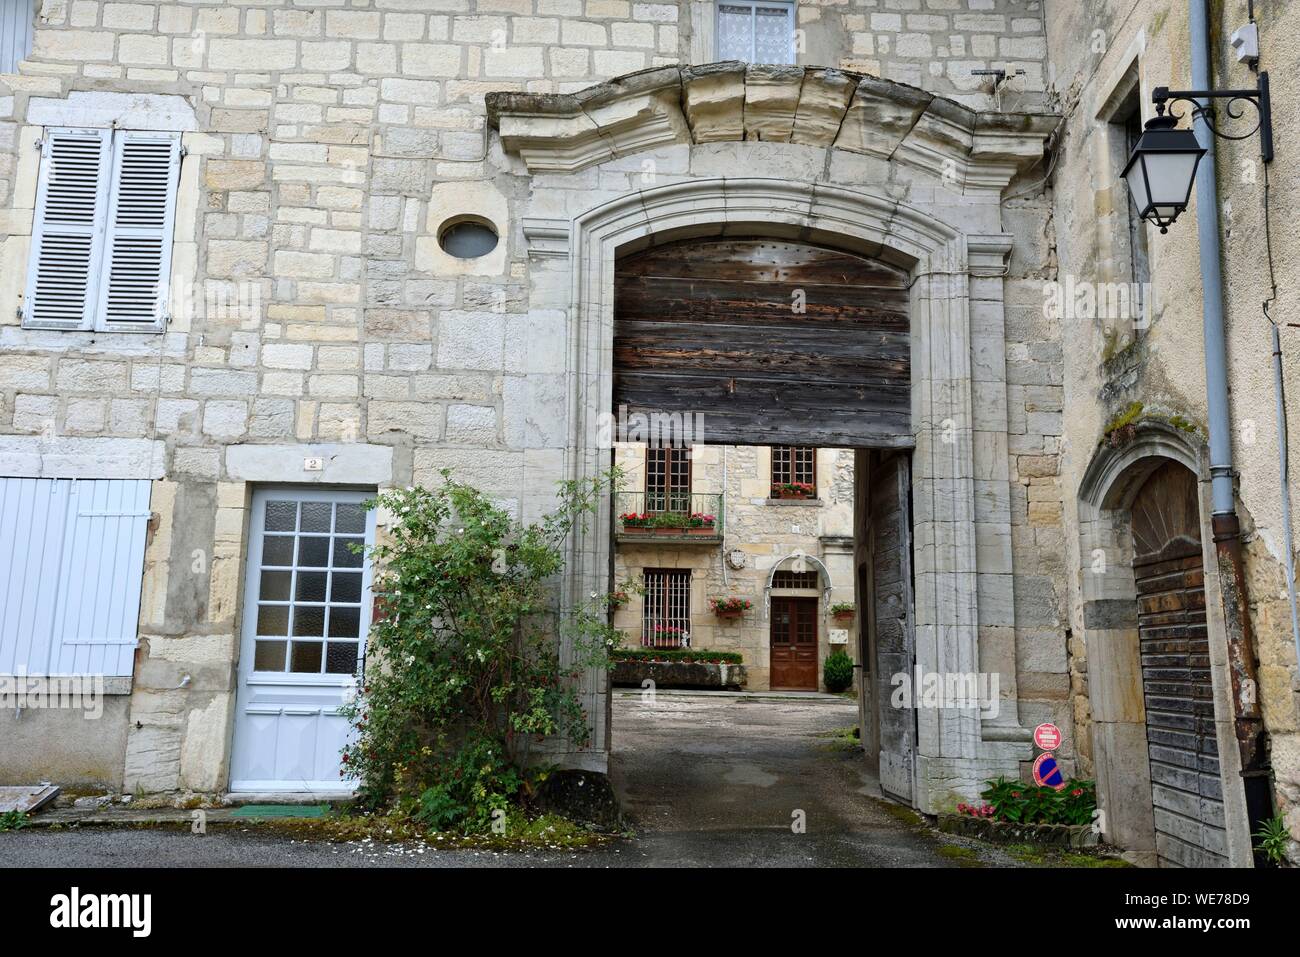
[708, 780]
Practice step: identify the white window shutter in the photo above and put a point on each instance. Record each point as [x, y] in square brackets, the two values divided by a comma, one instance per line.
[141, 214]
[68, 229]
[71, 570]
[96, 617]
[33, 513]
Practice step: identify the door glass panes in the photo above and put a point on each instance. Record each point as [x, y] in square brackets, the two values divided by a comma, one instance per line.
[310, 587]
[755, 32]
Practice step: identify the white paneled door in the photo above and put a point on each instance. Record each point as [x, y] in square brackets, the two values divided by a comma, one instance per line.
[306, 613]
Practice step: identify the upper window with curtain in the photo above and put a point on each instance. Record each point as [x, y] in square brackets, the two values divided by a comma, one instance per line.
[756, 31]
[102, 233]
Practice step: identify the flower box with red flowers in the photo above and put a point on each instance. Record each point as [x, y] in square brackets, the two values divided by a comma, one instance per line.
[730, 607]
[794, 490]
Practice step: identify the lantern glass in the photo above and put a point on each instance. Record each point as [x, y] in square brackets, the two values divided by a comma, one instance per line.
[1162, 169]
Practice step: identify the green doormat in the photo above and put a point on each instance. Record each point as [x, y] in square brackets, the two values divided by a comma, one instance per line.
[281, 810]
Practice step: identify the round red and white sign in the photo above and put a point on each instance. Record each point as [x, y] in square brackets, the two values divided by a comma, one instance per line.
[1047, 736]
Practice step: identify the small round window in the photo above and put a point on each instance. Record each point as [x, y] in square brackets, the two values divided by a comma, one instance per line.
[468, 238]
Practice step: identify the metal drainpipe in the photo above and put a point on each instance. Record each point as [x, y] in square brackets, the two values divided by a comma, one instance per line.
[1284, 473]
[1247, 720]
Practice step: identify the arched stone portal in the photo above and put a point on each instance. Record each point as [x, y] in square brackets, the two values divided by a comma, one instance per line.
[868, 167]
[1154, 653]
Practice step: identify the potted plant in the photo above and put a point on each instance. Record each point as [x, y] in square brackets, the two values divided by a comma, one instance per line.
[730, 607]
[668, 636]
[837, 672]
[635, 523]
[795, 490]
[617, 599]
[700, 524]
[843, 611]
[669, 523]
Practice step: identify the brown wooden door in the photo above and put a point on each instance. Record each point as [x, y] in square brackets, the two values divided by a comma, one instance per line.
[794, 644]
[1187, 790]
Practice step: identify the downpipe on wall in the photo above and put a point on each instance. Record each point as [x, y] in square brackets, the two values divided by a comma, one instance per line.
[1226, 526]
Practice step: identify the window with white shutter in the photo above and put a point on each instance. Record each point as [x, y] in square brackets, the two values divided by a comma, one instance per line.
[71, 570]
[102, 235]
[67, 233]
[137, 261]
[16, 19]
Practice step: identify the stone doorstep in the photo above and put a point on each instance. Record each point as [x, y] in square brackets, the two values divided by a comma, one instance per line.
[125, 816]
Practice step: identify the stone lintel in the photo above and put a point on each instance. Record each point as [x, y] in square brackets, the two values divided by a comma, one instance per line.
[731, 101]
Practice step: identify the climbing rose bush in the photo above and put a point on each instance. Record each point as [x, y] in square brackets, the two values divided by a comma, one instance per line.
[463, 667]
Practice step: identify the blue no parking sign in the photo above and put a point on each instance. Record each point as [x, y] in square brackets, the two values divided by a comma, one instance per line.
[1047, 773]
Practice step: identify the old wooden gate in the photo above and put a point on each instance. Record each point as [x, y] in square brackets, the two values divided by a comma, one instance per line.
[773, 343]
[891, 625]
[1186, 787]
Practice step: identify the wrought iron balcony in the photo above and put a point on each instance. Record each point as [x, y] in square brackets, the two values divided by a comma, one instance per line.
[661, 517]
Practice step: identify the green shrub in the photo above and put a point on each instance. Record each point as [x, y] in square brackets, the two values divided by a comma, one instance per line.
[837, 672]
[464, 668]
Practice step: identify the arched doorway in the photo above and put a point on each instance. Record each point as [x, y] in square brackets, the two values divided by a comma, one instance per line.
[1154, 653]
[776, 341]
[1177, 689]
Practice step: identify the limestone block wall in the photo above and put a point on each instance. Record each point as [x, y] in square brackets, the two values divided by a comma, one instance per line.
[767, 533]
[312, 308]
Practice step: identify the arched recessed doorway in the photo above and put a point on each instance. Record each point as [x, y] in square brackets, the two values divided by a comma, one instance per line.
[1163, 747]
[1177, 690]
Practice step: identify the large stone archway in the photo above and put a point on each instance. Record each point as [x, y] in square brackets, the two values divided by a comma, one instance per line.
[952, 247]
[1109, 590]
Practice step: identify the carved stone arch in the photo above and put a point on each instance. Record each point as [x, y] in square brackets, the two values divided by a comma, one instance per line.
[1112, 486]
[961, 488]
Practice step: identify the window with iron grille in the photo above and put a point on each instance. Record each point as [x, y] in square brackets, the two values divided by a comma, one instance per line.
[756, 31]
[794, 465]
[668, 480]
[666, 621]
[783, 578]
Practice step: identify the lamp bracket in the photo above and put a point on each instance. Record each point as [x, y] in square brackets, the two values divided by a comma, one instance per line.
[1164, 98]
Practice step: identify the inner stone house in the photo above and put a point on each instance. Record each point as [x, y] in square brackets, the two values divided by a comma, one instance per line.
[393, 237]
[786, 552]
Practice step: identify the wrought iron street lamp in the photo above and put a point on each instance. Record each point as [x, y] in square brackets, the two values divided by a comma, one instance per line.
[1163, 166]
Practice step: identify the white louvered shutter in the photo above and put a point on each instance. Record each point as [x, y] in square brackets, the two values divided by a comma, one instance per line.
[68, 229]
[141, 216]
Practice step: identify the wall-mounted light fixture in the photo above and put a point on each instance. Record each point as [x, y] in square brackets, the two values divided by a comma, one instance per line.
[1163, 166]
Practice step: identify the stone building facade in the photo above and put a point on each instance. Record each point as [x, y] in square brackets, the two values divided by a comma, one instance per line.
[320, 341]
[1135, 385]
[760, 535]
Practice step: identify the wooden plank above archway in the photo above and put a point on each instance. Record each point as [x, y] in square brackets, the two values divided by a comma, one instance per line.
[771, 342]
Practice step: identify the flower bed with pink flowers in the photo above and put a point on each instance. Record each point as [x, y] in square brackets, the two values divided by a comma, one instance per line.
[1012, 811]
